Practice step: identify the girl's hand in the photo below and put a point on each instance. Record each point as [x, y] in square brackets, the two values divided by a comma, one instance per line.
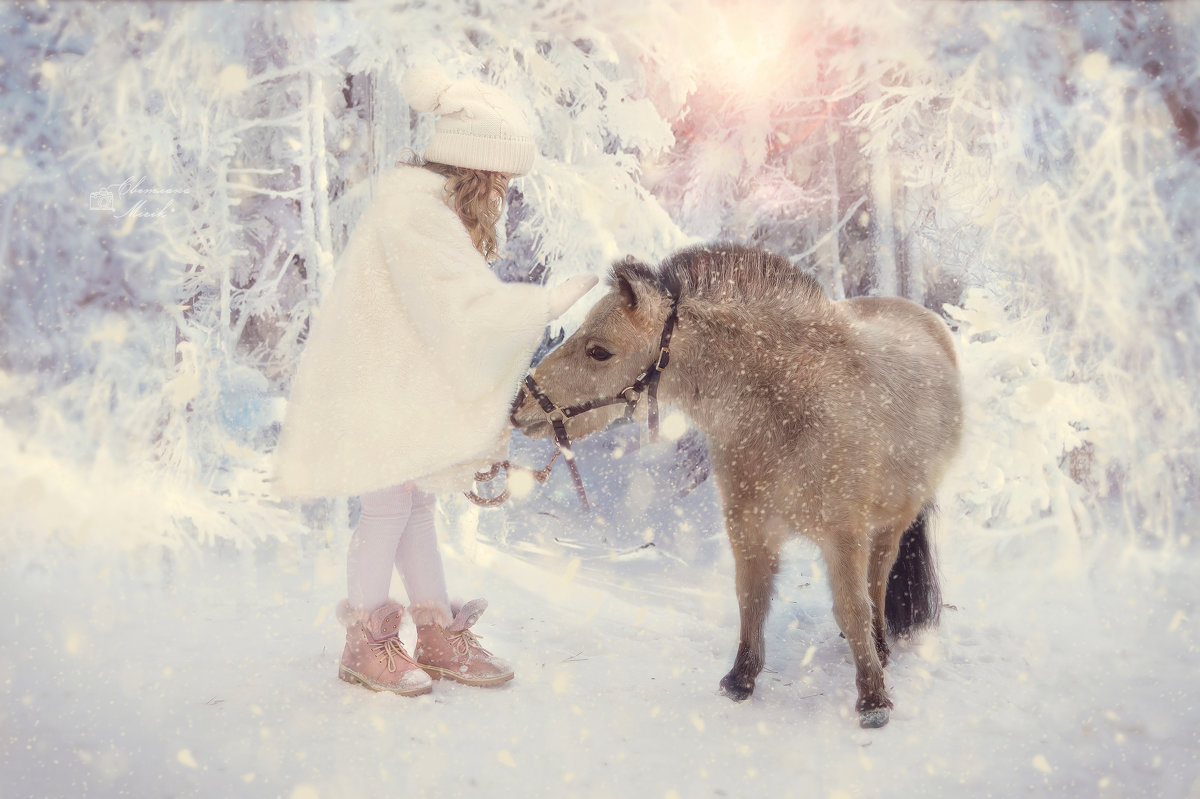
[565, 294]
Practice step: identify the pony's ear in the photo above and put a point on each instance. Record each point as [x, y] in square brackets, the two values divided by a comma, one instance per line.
[626, 292]
[630, 278]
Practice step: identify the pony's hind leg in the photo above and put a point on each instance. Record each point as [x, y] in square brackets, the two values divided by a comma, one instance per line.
[756, 562]
[883, 554]
[853, 609]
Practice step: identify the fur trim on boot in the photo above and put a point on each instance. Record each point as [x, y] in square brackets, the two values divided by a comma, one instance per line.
[425, 613]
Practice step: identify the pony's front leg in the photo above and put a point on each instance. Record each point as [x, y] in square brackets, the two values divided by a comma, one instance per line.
[847, 557]
[756, 561]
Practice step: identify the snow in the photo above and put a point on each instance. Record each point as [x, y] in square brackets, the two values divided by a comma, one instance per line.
[1028, 170]
[214, 675]
[212, 672]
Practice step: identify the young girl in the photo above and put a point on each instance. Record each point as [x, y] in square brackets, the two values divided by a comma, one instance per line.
[405, 383]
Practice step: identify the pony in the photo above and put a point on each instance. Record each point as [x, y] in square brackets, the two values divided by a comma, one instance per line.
[830, 420]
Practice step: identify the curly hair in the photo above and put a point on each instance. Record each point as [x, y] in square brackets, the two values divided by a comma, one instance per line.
[478, 199]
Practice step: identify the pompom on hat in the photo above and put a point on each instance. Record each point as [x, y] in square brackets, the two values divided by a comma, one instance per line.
[478, 126]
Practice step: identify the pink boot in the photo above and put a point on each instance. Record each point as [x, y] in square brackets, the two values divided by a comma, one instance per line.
[374, 656]
[451, 650]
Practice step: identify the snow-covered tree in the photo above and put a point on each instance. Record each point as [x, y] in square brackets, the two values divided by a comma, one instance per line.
[1030, 170]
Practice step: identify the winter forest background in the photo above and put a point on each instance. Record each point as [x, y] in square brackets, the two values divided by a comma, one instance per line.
[178, 179]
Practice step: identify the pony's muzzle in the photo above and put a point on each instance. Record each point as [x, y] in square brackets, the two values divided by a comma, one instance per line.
[535, 428]
[533, 425]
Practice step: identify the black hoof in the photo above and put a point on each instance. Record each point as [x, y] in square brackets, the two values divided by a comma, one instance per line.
[872, 719]
[737, 689]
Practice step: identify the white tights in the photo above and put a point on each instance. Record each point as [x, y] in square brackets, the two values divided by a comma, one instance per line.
[396, 527]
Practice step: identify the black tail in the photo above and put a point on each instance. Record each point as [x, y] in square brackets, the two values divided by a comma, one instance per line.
[913, 597]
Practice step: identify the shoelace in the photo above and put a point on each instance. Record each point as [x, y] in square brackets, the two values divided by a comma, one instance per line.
[464, 641]
[392, 649]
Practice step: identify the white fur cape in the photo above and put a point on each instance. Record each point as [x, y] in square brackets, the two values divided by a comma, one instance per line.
[414, 357]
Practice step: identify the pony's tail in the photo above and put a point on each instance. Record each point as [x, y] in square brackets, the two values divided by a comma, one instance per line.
[914, 599]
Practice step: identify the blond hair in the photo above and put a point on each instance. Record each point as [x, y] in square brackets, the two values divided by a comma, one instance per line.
[477, 197]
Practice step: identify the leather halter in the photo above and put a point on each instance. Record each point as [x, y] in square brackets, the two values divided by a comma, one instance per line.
[646, 382]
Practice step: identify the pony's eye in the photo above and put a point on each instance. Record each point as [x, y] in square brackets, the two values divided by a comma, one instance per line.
[598, 353]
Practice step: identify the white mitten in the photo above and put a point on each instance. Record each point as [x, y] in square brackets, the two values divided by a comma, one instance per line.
[565, 294]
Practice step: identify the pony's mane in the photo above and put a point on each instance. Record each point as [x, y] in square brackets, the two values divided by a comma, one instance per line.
[717, 272]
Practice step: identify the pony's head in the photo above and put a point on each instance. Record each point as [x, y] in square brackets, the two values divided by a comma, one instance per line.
[618, 339]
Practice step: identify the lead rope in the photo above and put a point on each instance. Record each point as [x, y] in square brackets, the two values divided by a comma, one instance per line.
[540, 475]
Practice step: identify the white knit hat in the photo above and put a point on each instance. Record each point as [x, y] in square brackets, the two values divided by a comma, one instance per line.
[478, 126]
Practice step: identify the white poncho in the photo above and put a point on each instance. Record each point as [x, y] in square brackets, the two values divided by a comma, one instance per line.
[414, 357]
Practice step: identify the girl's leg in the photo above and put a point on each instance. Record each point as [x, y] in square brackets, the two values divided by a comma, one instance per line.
[374, 544]
[446, 647]
[374, 655]
[420, 563]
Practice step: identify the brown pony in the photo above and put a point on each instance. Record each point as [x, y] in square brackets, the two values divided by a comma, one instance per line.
[833, 420]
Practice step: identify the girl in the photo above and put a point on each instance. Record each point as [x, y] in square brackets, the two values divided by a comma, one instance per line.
[405, 383]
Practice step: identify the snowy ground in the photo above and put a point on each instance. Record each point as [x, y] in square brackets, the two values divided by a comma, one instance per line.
[212, 674]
